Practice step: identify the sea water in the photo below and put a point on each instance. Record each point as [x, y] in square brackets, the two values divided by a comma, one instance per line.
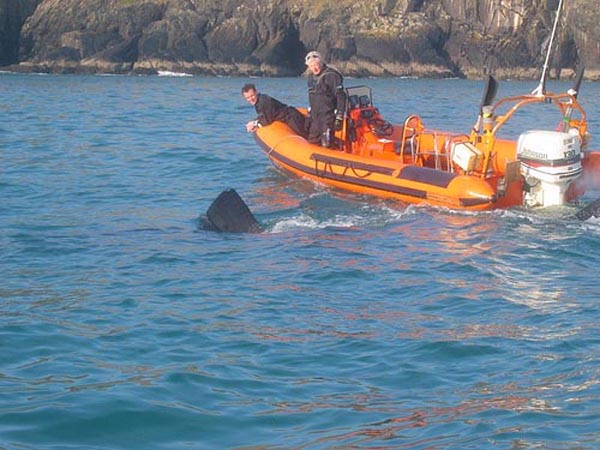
[351, 322]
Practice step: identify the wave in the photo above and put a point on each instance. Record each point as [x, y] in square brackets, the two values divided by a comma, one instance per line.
[168, 73]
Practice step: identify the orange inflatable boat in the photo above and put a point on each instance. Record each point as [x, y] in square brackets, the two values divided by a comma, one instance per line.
[473, 170]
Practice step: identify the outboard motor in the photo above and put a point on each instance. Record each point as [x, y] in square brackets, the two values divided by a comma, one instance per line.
[550, 162]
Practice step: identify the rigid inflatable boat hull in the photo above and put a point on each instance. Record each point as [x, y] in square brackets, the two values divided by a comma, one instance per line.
[372, 176]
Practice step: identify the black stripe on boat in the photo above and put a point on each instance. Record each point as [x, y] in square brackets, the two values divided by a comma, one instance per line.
[426, 175]
[477, 201]
[354, 165]
[360, 179]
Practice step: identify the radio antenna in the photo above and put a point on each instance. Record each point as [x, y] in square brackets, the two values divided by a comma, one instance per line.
[541, 89]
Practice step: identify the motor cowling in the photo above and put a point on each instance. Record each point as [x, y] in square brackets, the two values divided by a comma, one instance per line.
[550, 162]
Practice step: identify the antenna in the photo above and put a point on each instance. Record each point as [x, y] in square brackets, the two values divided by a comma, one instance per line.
[540, 90]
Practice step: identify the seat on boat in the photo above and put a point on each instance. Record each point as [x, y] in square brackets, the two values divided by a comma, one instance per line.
[362, 116]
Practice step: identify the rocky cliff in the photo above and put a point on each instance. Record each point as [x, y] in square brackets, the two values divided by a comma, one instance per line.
[430, 38]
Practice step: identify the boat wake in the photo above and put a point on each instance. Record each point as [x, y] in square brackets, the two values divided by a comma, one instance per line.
[304, 221]
[322, 210]
[229, 213]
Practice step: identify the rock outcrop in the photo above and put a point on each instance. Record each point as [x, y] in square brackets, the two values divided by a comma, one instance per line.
[441, 38]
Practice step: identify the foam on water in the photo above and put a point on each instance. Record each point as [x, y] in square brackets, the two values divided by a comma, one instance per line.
[168, 73]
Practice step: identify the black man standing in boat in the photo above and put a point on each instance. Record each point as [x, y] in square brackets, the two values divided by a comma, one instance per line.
[269, 110]
[327, 99]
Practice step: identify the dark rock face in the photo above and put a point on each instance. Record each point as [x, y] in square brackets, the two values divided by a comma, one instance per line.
[84, 36]
[432, 38]
[13, 14]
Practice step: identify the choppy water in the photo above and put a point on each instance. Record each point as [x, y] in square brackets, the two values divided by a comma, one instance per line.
[351, 323]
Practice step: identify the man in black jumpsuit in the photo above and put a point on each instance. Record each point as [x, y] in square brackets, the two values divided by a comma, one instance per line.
[269, 110]
[327, 99]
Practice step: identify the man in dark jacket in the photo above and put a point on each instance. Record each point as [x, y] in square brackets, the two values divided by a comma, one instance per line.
[269, 110]
[327, 99]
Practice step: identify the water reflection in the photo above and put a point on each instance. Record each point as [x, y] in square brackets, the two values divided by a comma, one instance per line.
[438, 427]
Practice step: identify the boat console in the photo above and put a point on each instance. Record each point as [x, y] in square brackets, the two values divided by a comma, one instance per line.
[366, 129]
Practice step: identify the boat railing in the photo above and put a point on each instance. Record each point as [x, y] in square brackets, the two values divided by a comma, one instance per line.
[566, 103]
[411, 128]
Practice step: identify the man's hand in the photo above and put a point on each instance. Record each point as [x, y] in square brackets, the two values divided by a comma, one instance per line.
[252, 126]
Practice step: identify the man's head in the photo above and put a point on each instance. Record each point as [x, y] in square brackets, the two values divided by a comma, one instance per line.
[250, 93]
[314, 61]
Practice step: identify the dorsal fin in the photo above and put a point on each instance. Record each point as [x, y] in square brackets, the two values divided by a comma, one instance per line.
[228, 213]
